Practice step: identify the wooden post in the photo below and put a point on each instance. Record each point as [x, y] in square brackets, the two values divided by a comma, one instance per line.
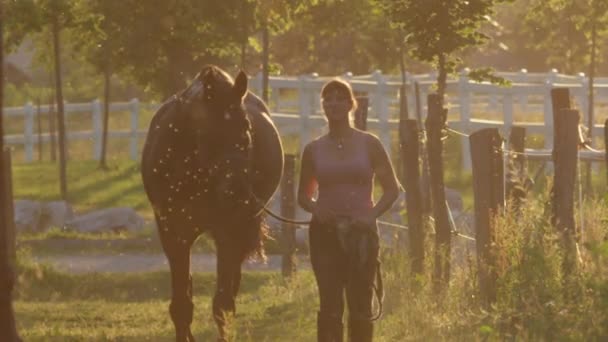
[403, 115]
[361, 113]
[288, 209]
[435, 122]
[517, 174]
[408, 130]
[560, 99]
[486, 155]
[566, 159]
[424, 176]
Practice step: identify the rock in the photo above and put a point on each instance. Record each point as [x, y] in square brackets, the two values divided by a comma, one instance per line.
[55, 214]
[27, 215]
[105, 220]
[34, 216]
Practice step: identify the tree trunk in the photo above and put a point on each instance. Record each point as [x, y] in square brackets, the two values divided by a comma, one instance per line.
[442, 79]
[39, 121]
[106, 116]
[52, 122]
[265, 61]
[60, 111]
[435, 122]
[7, 319]
[591, 102]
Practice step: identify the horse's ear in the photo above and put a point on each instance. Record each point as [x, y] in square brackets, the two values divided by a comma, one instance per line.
[240, 84]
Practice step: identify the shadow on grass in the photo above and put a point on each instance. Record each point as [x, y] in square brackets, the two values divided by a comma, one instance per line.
[38, 282]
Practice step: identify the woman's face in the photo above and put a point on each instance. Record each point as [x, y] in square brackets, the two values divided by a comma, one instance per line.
[337, 104]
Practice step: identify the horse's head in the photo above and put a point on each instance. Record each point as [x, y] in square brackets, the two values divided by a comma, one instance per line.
[216, 105]
[217, 109]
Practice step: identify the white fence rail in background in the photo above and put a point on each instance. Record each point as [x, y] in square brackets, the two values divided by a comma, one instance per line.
[295, 107]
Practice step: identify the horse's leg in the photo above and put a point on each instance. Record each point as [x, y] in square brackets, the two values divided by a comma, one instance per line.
[228, 282]
[181, 307]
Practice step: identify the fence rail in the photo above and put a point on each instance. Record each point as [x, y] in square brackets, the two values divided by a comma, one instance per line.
[295, 107]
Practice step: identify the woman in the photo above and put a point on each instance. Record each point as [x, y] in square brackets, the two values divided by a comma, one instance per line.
[340, 166]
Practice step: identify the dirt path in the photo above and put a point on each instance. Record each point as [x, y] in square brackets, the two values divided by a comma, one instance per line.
[129, 263]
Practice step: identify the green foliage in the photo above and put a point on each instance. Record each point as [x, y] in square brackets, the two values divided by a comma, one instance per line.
[332, 37]
[435, 31]
[561, 30]
[487, 74]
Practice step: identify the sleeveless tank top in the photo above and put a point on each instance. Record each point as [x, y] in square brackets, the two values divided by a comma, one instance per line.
[344, 184]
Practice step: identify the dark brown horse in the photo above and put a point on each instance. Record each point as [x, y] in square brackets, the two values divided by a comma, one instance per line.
[212, 159]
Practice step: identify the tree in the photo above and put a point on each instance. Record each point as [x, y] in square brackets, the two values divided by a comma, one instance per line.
[7, 317]
[570, 32]
[272, 17]
[33, 16]
[99, 22]
[436, 31]
[331, 37]
[163, 57]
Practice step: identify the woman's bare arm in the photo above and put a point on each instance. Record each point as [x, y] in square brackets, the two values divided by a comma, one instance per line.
[307, 183]
[386, 176]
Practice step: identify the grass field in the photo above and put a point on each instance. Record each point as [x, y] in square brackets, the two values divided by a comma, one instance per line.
[536, 300]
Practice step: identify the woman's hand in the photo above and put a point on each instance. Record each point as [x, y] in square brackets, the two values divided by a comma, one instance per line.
[323, 215]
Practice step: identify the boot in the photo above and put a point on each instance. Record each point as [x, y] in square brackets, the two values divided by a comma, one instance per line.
[360, 330]
[329, 328]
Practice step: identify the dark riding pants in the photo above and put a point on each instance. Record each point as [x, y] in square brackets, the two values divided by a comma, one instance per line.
[344, 259]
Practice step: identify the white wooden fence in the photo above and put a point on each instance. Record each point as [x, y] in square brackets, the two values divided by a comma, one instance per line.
[295, 107]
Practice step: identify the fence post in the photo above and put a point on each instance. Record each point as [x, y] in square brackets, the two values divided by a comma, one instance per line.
[565, 155]
[424, 176]
[435, 123]
[28, 133]
[403, 115]
[288, 209]
[256, 84]
[507, 108]
[380, 105]
[560, 99]
[517, 174]
[408, 129]
[486, 155]
[409, 95]
[522, 77]
[361, 113]
[305, 103]
[465, 115]
[97, 128]
[548, 109]
[133, 132]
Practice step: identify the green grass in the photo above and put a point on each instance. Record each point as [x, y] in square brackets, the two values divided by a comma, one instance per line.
[88, 186]
[536, 300]
[54, 306]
